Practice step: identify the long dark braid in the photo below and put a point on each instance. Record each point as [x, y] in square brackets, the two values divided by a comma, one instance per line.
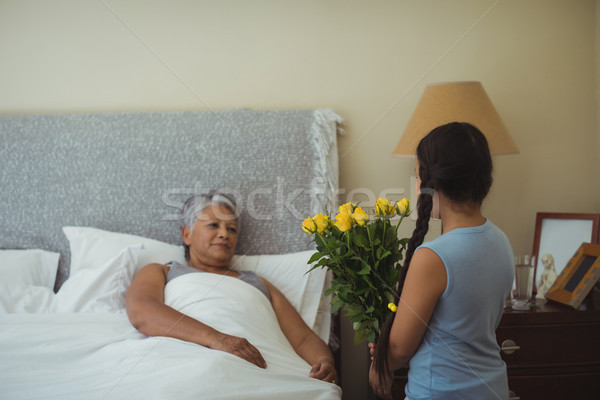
[454, 159]
[425, 204]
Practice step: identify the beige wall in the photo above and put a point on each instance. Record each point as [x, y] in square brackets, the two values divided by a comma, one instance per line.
[368, 61]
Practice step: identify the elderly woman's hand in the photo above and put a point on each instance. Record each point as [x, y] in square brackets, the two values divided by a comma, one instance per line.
[239, 347]
[324, 369]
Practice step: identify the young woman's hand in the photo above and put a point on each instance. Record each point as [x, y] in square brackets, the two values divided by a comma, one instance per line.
[385, 389]
[372, 350]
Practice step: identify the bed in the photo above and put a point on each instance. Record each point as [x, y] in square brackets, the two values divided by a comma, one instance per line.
[88, 199]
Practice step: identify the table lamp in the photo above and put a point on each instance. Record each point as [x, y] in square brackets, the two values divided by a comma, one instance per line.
[442, 103]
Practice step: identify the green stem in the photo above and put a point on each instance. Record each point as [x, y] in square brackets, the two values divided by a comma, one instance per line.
[398, 224]
[393, 290]
[371, 244]
[341, 267]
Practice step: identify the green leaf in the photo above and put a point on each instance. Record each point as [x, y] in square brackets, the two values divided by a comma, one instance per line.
[390, 297]
[367, 280]
[345, 297]
[360, 332]
[376, 266]
[360, 240]
[315, 257]
[365, 269]
[371, 337]
[352, 274]
[356, 318]
[336, 304]
[353, 309]
[392, 275]
[361, 291]
[384, 255]
[324, 262]
[313, 267]
[320, 241]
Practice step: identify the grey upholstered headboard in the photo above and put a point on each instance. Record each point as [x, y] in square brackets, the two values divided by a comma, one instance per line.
[131, 172]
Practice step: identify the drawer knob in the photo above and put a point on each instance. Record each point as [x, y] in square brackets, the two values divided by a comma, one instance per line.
[509, 347]
[513, 396]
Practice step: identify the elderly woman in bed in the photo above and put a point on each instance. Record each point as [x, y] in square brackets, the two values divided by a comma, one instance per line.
[210, 231]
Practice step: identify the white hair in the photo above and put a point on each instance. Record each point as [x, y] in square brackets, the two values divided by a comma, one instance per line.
[195, 205]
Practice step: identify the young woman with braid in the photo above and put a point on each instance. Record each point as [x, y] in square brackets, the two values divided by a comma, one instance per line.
[452, 289]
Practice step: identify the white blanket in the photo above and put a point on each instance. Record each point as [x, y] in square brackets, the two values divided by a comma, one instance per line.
[101, 356]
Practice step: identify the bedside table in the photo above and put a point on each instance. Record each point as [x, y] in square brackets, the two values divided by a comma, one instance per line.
[551, 352]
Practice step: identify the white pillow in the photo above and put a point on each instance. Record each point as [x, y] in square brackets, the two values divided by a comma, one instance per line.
[288, 273]
[92, 247]
[98, 289]
[33, 267]
[25, 299]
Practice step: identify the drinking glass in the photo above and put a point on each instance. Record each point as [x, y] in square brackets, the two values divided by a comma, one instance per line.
[524, 265]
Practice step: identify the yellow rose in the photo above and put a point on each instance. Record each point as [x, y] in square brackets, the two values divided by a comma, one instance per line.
[343, 222]
[403, 207]
[360, 216]
[309, 226]
[392, 307]
[347, 208]
[322, 222]
[383, 207]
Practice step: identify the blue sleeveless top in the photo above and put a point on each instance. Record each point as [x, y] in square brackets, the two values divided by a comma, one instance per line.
[458, 357]
[176, 269]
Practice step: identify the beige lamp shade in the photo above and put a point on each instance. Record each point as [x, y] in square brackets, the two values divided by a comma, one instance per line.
[455, 102]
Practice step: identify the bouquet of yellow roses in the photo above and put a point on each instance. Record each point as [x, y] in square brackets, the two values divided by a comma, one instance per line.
[364, 256]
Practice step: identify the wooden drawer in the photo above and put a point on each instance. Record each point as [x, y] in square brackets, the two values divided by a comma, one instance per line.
[556, 352]
[550, 345]
[584, 386]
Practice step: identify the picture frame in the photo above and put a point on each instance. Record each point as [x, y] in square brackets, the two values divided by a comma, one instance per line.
[559, 235]
[578, 278]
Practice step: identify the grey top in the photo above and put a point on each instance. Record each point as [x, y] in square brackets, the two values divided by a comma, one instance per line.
[176, 269]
